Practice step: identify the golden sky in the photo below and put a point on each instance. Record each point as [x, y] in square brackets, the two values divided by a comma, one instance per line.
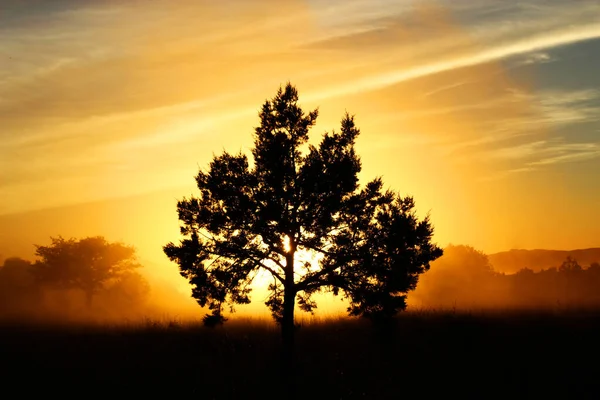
[486, 112]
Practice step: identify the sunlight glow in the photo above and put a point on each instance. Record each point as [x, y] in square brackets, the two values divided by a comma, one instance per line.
[462, 106]
[286, 244]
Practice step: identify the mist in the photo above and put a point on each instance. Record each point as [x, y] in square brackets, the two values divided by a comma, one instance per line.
[465, 279]
[130, 298]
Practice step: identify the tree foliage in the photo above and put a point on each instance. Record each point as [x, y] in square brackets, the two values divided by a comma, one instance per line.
[295, 198]
[87, 264]
[465, 279]
[16, 284]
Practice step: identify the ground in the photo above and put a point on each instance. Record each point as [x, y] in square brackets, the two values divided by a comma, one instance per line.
[502, 355]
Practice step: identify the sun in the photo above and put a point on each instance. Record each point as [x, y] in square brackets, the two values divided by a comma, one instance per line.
[286, 244]
[304, 261]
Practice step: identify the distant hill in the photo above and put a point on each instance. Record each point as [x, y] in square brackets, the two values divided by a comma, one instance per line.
[513, 260]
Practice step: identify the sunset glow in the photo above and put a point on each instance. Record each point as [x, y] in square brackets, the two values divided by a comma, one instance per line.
[487, 112]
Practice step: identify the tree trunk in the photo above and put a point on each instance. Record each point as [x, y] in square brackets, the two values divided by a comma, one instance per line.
[287, 323]
[287, 326]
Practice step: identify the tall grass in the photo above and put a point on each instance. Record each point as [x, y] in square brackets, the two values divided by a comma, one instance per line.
[426, 353]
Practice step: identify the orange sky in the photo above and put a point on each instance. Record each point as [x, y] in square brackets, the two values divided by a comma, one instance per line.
[108, 109]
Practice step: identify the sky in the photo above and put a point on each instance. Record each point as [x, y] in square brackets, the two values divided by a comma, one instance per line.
[486, 112]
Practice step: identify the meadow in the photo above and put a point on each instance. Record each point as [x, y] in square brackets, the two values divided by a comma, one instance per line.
[424, 354]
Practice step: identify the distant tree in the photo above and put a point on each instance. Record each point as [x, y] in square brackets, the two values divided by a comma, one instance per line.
[570, 265]
[463, 276]
[87, 264]
[525, 272]
[15, 266]
[17, 284]
[464, 260]
[130, 288]
[295, 199]
[15, 274]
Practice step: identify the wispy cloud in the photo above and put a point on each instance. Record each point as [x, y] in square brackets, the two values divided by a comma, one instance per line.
[537, 58]
[444, 88]
[535, 156]
[556, 108]
[90, 84]
[540, 113]
[566, 152]
[521, 46]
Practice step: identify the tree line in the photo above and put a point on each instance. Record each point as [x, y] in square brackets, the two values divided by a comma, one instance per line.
[464, 278]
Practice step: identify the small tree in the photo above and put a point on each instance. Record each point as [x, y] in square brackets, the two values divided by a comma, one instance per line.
[17, 271]
[367, 244]
[86, 264]
[570, 265]
[17, 286]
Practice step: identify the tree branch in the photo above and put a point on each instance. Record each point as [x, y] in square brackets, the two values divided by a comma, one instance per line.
[318, 250]
[259, 263]
[272, 271]
[245, 254]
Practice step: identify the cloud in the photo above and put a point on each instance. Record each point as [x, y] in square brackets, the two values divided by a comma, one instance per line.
[445, 88]
[542, 112]
[522, 46]
[566, 152]
[563, 107]
[536, 58]
[137, 77]
[534, 156]
[112, 81]
[538, 155]
[520, 151]
[555, 98]
[530, 131]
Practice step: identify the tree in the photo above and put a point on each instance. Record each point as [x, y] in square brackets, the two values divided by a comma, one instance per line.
[570, 265]
[16, 270]
[294, 198]
[463, 276]
[129, 290]
[17, 285]
[87, 264]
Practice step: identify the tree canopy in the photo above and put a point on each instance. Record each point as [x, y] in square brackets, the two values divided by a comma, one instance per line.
[86, 264]
[291, 197]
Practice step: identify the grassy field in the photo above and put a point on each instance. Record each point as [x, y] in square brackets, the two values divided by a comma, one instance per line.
[500, 355]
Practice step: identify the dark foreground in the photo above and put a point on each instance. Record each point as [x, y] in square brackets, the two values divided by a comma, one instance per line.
[442, 355]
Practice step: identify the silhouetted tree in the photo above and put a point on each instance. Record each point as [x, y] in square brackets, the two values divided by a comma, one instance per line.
[17, 285]
[129, 290]
[16, 269]
[463, 276]
[570, 265]
[370, 244]
[86, 264]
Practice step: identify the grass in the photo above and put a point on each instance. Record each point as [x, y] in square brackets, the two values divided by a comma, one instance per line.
[472, 355]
